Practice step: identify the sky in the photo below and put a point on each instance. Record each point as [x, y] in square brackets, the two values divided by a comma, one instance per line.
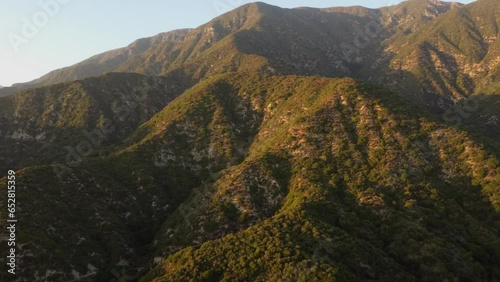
[39, 36]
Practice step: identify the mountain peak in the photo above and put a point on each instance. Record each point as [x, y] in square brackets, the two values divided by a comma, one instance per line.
[254, 6]
[426, 1]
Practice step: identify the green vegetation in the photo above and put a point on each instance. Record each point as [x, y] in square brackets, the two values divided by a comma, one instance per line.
[401, 194]
[227, 169]
[304, 169]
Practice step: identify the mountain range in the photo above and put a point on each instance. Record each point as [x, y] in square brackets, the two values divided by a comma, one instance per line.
[269, 144]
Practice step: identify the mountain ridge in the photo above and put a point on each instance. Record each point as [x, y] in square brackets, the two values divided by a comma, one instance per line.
[70, 114]
[238, 154]
[269, 144]
[257, 9]
[333, 42]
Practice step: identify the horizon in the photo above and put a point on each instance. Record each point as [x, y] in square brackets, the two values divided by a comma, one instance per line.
[63, 36]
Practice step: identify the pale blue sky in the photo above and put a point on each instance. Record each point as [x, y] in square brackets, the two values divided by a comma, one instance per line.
[69, 31]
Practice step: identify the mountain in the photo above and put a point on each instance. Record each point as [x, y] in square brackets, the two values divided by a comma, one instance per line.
[255, 37]
[64, 122]
[102, 63]
[270, 144]
[235, 41]
[456, 54]
[413, 42]
[328, 166]
[454, 59]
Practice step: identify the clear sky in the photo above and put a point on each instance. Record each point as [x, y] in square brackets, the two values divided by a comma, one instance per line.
[38, 36]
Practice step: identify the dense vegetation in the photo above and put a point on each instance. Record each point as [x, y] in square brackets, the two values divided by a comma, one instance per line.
[371, 192]
[307, 177]
[69, 121]
[225, 169]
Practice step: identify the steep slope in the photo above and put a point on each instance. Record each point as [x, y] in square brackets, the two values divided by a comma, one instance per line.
[90, 223]
[294, 172]
[254, 37]
[156, 55]
[456, 55]
[66, 122]
[251, 176]
[450, 66]
[99, 64]
[336, 146]
[333, 42]
[410, 16]
[101, 204]
[258, 38]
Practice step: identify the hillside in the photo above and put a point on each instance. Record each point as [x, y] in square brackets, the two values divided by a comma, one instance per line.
[433, 53]
[328, 166]
[269, 144]
[455, 55]
[102, 63]
[257, 37]
[451, 65]
[64, 122]
[320, 149]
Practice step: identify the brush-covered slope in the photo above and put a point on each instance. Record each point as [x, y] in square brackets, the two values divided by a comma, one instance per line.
[258, 177]
[290, 178]
[411, 15]
[340, 182]
[256, 37]
[450, 65]
[99, 64]
[87, 223]
[457, 54]
[431, 52]
[166, 52]
[253, 37]
[67, 121]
